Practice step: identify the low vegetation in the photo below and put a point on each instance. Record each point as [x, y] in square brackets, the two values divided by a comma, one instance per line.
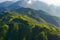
[14, 26]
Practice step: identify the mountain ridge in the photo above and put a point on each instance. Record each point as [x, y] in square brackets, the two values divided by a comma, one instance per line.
[21, 23]
[15, 26]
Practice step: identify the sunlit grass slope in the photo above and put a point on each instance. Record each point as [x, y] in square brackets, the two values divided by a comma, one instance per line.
[14, 26]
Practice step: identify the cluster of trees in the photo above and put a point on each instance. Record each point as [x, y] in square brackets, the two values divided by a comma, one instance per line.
[16, 27]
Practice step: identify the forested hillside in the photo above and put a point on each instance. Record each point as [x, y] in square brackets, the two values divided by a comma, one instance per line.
[15, 26]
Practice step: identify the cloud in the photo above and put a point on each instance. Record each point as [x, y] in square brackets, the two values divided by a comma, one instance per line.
[29, 2]
[52, 2]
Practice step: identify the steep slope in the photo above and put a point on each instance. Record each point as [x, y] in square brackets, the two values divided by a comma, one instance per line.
[17, 6]
[37, 14]
[36, 5]
[14, 26]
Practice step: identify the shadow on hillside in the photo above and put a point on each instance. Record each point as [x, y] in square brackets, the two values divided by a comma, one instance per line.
[25, 32]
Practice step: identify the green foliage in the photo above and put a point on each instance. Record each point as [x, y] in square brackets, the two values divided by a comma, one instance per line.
[14, 26]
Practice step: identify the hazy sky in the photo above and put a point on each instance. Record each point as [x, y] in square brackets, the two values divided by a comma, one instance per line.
[50, 2]
[53, 2]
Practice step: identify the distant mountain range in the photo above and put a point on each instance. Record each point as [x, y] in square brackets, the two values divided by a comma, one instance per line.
[36, 5]
[22, 21]
[37, 8]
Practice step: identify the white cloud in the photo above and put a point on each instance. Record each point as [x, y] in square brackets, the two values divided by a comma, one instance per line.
[30, 1]
[52, 2]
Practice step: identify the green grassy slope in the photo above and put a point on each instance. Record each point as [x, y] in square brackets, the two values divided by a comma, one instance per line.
[14, 26]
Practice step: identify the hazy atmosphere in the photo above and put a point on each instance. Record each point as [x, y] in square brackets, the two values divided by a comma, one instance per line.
[29, 19]
[51, 6]
[52, 2]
